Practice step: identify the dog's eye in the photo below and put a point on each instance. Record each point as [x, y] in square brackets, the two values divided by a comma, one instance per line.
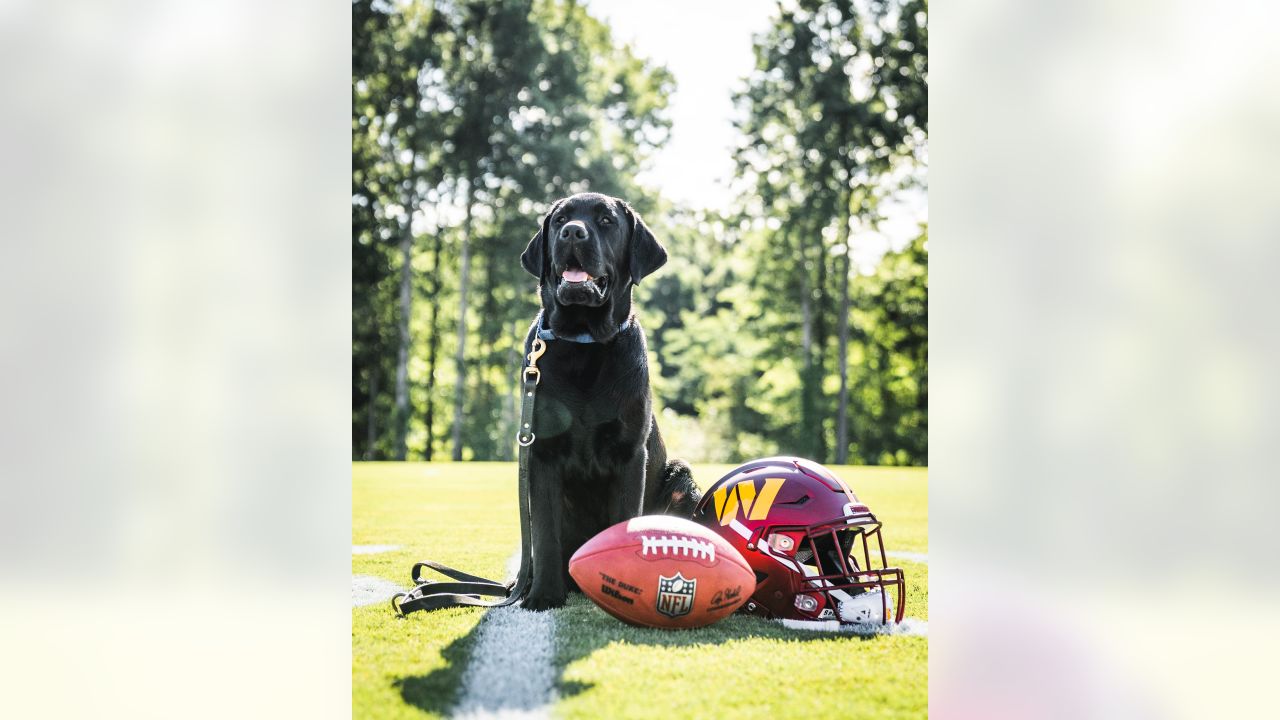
[561, 220]
[606, 220]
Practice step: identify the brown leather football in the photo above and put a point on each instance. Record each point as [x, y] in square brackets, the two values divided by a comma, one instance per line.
[662, 572]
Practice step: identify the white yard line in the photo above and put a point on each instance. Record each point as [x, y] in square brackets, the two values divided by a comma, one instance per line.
[913, 557]
[512, 670]
[369, 589]
[372, 549]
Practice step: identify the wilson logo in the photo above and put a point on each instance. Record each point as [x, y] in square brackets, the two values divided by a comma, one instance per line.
[755, 506]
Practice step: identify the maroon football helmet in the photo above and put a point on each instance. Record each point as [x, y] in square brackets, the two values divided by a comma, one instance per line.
[816, 550]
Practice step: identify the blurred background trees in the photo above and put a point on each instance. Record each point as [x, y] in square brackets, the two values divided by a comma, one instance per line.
[470, 117]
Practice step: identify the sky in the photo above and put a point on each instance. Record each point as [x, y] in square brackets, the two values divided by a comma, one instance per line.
[706, 44]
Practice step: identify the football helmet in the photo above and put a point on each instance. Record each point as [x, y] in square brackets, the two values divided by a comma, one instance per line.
[815, 548]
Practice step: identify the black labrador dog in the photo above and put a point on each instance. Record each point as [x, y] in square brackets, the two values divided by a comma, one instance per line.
[597, 458]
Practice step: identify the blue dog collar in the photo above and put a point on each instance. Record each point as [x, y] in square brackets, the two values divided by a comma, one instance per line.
[584, 338]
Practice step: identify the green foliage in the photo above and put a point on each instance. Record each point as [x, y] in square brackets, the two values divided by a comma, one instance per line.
[469, 117]
[890, 378]
[462, 515]
[728, 346]
[832, 122]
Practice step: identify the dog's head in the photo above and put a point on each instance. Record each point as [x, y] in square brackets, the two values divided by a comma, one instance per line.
[589, 252]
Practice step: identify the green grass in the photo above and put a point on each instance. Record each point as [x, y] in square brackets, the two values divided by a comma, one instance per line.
[465, 515]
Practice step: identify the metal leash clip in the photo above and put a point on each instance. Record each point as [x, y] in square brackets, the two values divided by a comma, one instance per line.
[531, 374]
[539, 347]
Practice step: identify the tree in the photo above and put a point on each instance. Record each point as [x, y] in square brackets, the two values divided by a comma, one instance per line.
[820, 135]
[468, 118]
[529, 77]
[890, 378]
[371, 229]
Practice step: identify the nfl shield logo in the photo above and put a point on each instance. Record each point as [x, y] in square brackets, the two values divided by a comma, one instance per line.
[675, 595]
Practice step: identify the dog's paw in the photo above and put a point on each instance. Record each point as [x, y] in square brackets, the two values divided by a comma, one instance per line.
[542, 601]
[679, 495]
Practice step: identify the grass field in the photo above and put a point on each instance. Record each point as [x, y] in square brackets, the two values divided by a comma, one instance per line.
[465, 515]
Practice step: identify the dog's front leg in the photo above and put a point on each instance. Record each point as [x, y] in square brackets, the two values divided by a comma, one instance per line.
[628, 495]
[547, 589]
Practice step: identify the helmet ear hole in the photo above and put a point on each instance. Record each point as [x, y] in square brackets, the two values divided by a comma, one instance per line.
[784, 542]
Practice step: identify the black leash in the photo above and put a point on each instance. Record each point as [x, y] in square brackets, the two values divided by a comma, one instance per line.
[463, 588]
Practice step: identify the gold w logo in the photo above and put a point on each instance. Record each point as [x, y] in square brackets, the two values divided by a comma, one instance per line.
[743, 494]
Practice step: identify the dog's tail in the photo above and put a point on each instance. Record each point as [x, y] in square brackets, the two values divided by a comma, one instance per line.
[678, 495]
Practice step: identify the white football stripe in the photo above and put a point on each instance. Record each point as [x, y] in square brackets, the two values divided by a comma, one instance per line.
[512, 671]
[912, 556]
[369, 589]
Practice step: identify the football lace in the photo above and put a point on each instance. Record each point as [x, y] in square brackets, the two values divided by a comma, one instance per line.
[677, 545]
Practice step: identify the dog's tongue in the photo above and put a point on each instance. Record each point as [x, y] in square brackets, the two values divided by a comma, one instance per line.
[576, 275]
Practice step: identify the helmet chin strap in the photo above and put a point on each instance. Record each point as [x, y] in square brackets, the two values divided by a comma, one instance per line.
[872, 606]
[851, 605]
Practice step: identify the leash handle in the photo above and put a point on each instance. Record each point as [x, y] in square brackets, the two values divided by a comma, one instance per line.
[445, 570]
[467, 589]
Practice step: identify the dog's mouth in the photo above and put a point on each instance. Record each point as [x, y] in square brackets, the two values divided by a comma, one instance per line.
[579, 287]
[578, 276]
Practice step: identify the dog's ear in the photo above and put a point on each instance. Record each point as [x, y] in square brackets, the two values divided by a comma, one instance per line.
[647, 254]
[532, 259]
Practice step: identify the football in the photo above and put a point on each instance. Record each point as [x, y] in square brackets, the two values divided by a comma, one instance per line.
[662, 572]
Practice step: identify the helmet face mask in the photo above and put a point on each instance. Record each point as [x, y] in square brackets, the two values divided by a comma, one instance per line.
[818, 553]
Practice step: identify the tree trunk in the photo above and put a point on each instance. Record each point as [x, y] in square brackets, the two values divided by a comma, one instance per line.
[460, 357]
[818, 369]
[806, 325]
[371, 418]
[842, 411]
[486, 335]
[513, 397]
[402, 356]
[808, 412]
[433, 342]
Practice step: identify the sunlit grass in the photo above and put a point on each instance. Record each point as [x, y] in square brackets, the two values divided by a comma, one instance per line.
[465, 515]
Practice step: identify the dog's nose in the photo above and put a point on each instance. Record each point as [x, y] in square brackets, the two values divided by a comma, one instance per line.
[574, 230]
